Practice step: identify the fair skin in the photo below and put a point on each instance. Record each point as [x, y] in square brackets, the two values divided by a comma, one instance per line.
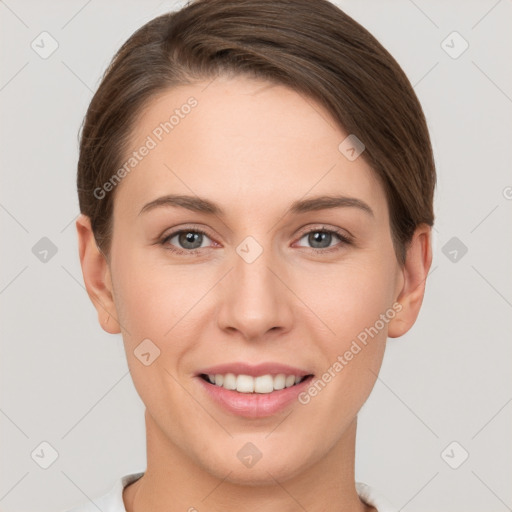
[253, 149]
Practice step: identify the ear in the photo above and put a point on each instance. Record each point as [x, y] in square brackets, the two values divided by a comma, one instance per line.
[414, 275]
[96, 274]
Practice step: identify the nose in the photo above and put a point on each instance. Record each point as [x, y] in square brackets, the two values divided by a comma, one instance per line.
[255, 298]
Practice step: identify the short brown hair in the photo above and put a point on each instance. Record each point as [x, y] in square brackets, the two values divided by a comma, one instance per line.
[310, 46]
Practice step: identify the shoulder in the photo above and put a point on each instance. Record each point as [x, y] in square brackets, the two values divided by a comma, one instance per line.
[112, 501]
[374, 498]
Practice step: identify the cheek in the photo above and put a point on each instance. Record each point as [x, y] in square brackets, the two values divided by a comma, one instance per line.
[349, 299]
[155, 302]
[146, 299]
[150, 302]
[144, 313]
[349, 296]
[351, 350]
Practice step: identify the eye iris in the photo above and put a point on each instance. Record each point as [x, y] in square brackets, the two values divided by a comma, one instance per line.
[319, 237]
[189, 237]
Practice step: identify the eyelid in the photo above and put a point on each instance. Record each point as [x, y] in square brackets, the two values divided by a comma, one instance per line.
[164, 238]
[189, 227]
[344, 236]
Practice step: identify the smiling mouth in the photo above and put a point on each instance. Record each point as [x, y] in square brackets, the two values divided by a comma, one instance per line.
[263, 384]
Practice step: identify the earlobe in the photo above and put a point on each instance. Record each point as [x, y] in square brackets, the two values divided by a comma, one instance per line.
[96, 274]
[415, 271]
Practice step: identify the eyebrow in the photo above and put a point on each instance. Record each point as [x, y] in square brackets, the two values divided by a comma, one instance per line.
[197, 204]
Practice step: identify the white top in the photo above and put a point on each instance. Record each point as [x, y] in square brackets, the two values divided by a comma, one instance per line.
[113, 500]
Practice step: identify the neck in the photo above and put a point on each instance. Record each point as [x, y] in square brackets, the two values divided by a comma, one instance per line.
[174, 481]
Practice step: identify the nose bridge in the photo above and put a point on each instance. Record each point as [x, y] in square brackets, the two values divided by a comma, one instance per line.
[254, 300]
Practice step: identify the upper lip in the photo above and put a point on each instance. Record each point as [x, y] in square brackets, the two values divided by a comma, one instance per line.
[241, 368]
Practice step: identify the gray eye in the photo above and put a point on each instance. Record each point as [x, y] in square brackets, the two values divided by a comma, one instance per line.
[188, 239]
[319, 239]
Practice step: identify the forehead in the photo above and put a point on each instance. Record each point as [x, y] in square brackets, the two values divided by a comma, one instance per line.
[244, 144]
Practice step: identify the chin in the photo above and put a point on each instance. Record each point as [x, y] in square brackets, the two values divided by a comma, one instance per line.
[263, 472]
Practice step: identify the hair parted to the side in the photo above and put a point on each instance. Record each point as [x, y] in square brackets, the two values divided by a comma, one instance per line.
[310, 46]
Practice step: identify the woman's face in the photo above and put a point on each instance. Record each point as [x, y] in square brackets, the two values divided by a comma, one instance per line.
[256, 288]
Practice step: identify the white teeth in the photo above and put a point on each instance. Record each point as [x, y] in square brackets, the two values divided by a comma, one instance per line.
[227, 381]
[248, 384]
[290, 381]
[279, 381]
[245, 384]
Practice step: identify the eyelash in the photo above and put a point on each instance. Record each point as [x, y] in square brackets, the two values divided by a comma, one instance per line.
[345, 240]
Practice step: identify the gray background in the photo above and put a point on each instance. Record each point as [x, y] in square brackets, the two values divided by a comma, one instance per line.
[66, 382]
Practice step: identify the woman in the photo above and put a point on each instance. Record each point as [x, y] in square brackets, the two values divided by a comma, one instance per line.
[256, 188]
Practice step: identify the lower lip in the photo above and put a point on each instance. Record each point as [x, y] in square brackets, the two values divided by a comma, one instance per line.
[254, 405]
